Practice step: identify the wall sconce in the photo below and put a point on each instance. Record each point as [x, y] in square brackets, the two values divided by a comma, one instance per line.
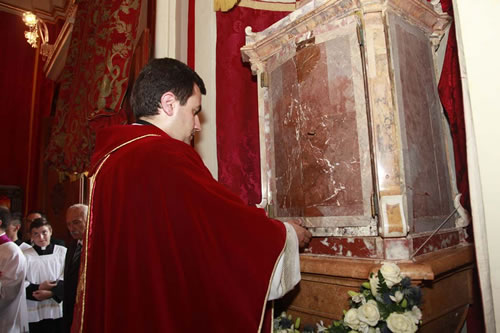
[37, 29]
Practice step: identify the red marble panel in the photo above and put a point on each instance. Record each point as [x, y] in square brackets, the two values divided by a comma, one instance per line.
[287, 144]
[439, 241]
[330, 158]
[426, 171]
[388, 248]
[317, 157]
[360, 247]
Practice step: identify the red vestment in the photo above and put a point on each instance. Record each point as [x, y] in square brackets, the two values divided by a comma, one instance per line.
[168, 248]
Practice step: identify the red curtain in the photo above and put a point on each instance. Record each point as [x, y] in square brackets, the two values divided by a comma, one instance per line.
[450, 92]
[237, 111]
[191, 33]
[17, 61]
[94, 79]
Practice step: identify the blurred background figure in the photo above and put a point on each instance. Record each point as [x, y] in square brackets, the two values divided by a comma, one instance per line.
[13, 314]
[13, 228]
[76, 221]
[32, 215]
[45, 274]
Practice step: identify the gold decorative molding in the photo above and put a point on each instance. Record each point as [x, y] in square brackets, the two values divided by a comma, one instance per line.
[284, 6]
[224, 5]
[48, 10]
[57, 58]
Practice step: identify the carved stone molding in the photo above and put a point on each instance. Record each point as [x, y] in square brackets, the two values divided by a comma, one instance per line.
[422, 14]
[262, 45]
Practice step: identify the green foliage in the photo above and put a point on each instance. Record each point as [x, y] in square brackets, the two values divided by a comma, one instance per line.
[382, 286]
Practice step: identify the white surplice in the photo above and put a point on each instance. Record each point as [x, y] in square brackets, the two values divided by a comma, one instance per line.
[287, 272]
[40, 268]
[13, 314]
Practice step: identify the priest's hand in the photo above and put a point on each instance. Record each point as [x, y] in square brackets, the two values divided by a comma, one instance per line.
[42, 295]
[303, 235]
[47, 285]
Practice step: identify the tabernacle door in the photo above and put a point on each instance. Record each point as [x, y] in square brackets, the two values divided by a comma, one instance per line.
[319, 152]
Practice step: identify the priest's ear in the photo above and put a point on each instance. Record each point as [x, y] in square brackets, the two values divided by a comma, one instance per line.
[167, 101]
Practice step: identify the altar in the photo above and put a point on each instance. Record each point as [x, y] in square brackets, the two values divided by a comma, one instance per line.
[354, 143]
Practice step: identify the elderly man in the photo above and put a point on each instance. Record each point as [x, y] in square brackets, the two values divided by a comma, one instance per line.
[76, 220]
[168, 248]
[13, 312]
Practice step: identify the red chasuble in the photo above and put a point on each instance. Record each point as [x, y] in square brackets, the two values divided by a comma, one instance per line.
[168, 248]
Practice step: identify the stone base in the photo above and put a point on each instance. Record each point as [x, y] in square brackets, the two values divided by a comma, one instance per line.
[445, 278]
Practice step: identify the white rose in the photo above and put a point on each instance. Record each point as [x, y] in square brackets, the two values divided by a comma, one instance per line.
[415, 314]
[398, 297]
[351, 319]
[374, 284]
[359, 298]
[363, 327]
[373, 330]
[391, 273]
[368, 313]
[399, 323]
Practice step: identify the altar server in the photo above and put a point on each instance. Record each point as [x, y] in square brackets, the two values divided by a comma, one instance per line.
[45, 274]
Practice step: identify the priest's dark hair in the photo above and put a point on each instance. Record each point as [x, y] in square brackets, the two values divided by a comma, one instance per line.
[40, 222]
[161, 76]
[4, 217]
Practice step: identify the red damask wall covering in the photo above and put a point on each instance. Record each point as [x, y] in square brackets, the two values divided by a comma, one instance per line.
[17, 61]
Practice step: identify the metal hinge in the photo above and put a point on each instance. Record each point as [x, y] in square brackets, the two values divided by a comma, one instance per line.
[374, 204]
[359, 32]
[269, 210]
[264, 80]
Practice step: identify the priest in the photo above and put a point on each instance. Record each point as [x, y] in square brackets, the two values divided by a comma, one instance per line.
[13, 312]
[168, 248]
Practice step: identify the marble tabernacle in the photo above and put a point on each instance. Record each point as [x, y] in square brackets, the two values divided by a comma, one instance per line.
[353, 138]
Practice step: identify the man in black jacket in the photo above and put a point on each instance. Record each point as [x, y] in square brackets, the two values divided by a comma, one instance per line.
[76, 221]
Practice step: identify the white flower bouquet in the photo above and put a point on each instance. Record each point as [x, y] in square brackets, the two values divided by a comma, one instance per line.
[386, 303]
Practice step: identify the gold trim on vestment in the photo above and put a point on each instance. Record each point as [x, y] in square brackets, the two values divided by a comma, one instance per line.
[82, 284]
